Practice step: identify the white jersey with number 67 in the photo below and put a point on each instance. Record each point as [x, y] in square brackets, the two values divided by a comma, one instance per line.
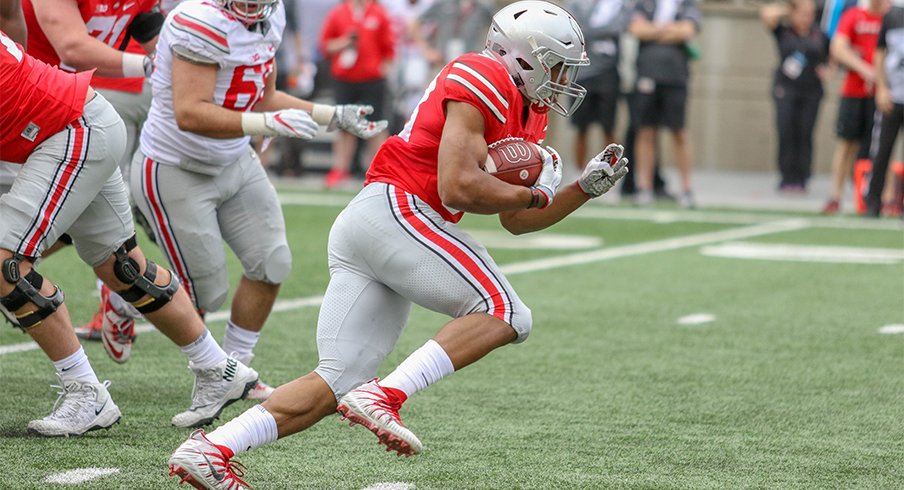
[244, 57]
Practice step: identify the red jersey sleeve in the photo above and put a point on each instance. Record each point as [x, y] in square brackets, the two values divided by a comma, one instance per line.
[480, 82]
[329, 31]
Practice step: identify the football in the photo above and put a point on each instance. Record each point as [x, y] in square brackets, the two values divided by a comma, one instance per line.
[514, 161]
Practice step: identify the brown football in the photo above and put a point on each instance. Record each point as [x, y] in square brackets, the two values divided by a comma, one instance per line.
[514, 161]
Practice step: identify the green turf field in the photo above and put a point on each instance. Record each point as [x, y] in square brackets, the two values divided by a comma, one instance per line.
[671, 349]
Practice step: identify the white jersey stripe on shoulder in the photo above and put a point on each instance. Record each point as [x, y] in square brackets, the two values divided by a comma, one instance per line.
[483, 80]
[203, 31]
[468, 85]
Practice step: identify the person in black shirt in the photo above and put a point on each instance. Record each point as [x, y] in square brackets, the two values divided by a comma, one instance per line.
[889, 63]
[664, 28]
[797, 87]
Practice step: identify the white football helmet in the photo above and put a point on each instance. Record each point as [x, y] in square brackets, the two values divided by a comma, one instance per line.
[249, 12]
[537, 41]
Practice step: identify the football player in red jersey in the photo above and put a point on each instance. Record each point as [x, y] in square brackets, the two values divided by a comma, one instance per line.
[68, 140]
[114, 37]
[397, 242]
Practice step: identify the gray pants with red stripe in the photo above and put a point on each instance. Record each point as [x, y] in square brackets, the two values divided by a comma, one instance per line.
[194, 213]
[71, 184]
[386, 250]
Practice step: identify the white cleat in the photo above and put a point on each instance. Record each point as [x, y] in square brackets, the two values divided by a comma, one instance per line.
[260, 392]
[215, 389]
[205, 465]
[81, 407]
[369, 406]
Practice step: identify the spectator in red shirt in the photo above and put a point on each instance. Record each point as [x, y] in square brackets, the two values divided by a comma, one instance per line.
[853, 47]
[358, 39]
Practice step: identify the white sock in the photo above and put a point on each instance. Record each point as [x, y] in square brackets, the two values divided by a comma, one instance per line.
[421, 369]
[239, 342]
[205, 352]
[248, 431]
[76, 367]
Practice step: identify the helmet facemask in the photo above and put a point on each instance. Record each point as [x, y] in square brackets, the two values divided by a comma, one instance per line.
[558, 92]
[249, 12]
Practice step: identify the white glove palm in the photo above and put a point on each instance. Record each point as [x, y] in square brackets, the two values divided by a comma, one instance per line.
[550, 176]
[293, 123]
[603, 171]
[353, 119]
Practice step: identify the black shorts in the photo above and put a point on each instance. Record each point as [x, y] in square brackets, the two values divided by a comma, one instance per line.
[855, 120]
[598, 107]
[664, 105]
[371, 93]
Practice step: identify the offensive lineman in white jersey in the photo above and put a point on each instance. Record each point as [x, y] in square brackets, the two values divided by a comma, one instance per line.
[199, 182]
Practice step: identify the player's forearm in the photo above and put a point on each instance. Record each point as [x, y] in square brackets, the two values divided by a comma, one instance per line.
[85, 52]
[208, 119]
[566, 201]
[480, 193]
[879, 63]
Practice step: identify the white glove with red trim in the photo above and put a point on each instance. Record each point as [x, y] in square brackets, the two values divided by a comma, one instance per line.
[549, 179]
[293, 123]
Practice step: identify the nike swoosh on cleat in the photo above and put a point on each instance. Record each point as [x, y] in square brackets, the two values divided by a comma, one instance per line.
[107, 340]
[97, 411]
[217, 475]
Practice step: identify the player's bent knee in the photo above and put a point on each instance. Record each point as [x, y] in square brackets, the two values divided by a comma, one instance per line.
[522, 321]
[27, 290]
[210, 292]
[340, 379]
[275, 268]
[144, 294]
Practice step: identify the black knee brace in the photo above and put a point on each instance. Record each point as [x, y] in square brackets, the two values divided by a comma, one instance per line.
[28, 290]
[126, 270]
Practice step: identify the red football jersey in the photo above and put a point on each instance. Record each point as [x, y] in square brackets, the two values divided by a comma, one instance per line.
[862, 30]
[107, 21]
[38, 100]
[409, 159]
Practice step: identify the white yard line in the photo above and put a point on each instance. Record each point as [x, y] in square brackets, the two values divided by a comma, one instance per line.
[538, 265]
[697, 319]
[654, 246]
[602, 211]
[79, 476]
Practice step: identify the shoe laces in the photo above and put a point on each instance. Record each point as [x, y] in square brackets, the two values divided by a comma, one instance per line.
[74, 398]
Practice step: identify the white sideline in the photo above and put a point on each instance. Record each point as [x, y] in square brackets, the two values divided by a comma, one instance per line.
[537, 265]
[79, 476]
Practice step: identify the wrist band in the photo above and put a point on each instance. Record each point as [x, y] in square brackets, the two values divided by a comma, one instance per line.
[253, 123]
[133, 65]
[322, 114]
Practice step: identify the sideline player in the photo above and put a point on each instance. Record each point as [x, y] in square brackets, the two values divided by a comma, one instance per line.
[68, 140]
[197, 179]
[398, 238]
[116, 38]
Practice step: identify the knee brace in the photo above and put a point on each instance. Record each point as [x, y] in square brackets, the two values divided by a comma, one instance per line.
[126, 270]
[28, 290]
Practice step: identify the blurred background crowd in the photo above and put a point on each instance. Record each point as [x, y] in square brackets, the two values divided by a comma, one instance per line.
[787, 87]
